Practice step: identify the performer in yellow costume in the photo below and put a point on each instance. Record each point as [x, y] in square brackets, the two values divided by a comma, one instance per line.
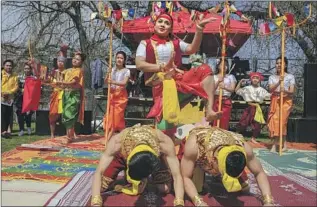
[219, 152]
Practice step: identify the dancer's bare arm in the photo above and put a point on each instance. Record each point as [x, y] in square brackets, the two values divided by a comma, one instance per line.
[256, 169]
[113, 147]
[188, 166]
[167, 147]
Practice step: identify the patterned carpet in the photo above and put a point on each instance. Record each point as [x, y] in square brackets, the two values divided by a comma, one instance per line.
[292, 175]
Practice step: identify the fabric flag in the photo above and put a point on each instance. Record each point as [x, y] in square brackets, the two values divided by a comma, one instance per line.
[163, 4]
[169, 6]
[125, 13]
[275, 11]
[230, 43]
[31, 95]
[264, 28]
[131, 12]
[107, 12]
[233, 8]
[117, 14]
[306, 9]
[278, 21]
[289, 19]
[272, 26]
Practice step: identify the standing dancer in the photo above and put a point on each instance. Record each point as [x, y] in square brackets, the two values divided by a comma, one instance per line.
[159, 57]
[27, 116]
[56, 106]
[254, 95]
[9, 86]
[141, 151]
[228, 84]
[118, 96]
[73, 97]
[288, 90]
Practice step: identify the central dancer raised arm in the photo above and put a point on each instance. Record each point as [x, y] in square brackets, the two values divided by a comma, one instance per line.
[159, 58]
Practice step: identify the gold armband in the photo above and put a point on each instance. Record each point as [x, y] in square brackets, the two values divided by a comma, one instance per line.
[267, 199]
[96, 200]
[197, 200]
[178, 202]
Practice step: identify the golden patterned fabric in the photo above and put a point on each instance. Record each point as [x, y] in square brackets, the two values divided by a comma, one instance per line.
[136, 135]
[105, 182]
[209, 139]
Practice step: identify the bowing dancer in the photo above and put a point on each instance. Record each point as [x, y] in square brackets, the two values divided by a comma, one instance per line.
[228, 84]
[254, 95]
[73, 96]
[288, 92]
[141, 151]
[219, 152]
[160, 58]
[118, 96]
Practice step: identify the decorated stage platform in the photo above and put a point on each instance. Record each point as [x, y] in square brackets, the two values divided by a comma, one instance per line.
[62, 176]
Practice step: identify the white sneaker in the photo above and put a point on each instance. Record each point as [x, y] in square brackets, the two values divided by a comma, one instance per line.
[21, 133]
[29, 131]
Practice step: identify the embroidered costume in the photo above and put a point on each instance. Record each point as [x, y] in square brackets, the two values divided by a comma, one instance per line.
[273, 117]
[118, 101]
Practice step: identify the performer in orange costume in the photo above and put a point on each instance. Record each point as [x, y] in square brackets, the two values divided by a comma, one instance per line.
[163, 53]
[289, 89]
[118, 95]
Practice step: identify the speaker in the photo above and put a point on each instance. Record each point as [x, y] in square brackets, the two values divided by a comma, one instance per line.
[42, 125]
[302, 130]
[310, 91]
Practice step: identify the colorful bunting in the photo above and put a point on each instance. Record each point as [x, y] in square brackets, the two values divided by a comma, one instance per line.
[278, 21]
[264, 28]
[117, 14]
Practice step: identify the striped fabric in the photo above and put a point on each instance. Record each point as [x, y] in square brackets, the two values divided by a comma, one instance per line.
[74, 193]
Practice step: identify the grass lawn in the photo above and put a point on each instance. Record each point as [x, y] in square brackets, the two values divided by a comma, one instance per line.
[9, 144]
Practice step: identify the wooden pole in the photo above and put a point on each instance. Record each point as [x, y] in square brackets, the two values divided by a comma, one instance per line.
[223, 55]
[281, 91]
[222, 72]
[109, 85]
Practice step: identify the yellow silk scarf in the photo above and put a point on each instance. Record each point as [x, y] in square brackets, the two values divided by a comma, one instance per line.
[231, 184]
[258, 117]
[135, 183]
[171, 108]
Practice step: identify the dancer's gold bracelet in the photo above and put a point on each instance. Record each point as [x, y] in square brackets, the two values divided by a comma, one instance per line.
[267, 199]
[96, 200]
[179, 202]
[197, 200]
